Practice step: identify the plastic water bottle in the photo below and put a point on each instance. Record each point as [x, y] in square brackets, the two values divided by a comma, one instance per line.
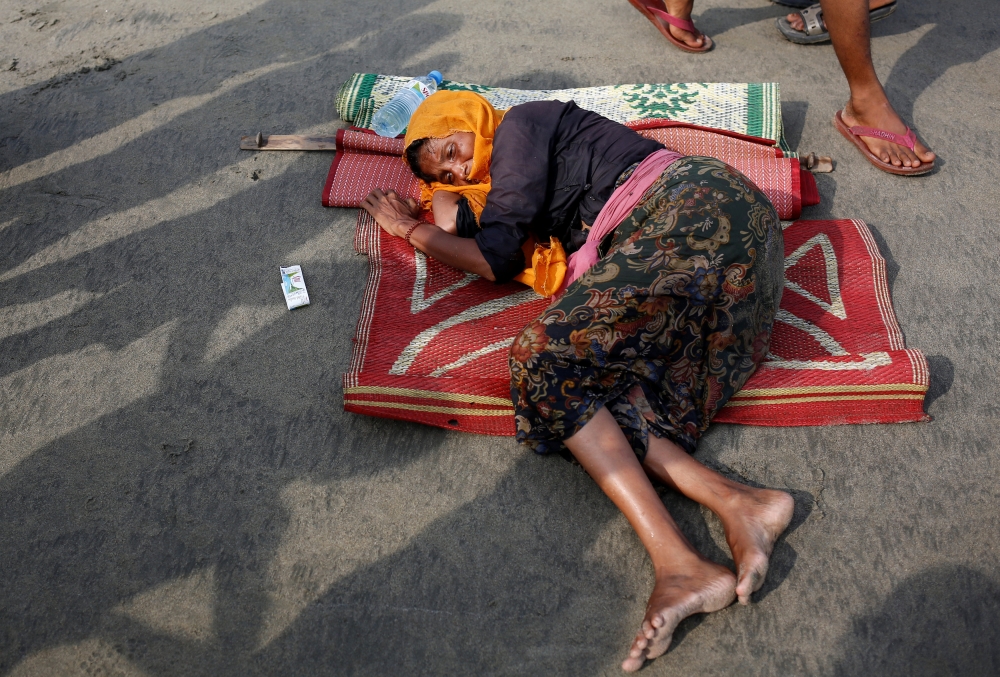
[392, 118]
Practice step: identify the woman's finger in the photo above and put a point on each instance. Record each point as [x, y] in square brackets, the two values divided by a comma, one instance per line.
[373, 197]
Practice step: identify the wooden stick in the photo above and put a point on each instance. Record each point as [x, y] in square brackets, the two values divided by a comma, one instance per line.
[288, 142]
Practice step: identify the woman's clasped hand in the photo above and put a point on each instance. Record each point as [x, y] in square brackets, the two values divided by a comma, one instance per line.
[393, 213]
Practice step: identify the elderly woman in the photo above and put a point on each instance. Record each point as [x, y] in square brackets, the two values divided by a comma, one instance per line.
[665, 309]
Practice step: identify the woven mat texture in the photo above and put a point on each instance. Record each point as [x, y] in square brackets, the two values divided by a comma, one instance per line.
[753, 109]
[432, 342]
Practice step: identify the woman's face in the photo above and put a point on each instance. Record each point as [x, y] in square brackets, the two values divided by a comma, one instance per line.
[449, 160]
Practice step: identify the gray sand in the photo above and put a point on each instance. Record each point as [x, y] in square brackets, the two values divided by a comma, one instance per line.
[181, 492]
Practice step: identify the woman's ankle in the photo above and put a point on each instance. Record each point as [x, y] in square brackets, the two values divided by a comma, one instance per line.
[678, 563]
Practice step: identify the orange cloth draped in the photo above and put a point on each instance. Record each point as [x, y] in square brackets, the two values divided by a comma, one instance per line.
[446, 112]
[546, 266]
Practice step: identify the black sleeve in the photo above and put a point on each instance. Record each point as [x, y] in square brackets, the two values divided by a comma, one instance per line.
[465, 220]
[519, 176]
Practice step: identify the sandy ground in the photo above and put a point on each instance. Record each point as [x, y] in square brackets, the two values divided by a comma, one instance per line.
[181, 493]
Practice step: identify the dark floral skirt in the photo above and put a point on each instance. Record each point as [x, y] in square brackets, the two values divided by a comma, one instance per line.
[667, 326]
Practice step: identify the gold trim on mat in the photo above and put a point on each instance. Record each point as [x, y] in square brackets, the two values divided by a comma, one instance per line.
[804, 390]
[426, 394]
[836, 398]
[431, 409]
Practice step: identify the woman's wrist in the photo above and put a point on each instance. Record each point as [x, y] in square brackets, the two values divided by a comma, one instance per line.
[409, 232]
[400, 226]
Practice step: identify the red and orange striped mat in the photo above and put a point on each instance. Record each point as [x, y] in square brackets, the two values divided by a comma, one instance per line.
[432, 342]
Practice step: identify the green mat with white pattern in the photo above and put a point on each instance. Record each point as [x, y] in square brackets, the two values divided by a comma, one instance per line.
[752, 108]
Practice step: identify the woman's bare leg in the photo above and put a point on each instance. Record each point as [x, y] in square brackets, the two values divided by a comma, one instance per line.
[686, 583]
[752, 518]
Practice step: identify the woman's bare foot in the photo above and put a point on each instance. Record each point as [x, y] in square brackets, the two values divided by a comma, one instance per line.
[882, 116]
[753, 520]
[700, 587]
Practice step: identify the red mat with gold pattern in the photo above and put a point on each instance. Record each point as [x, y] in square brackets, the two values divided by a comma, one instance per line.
[432, 342]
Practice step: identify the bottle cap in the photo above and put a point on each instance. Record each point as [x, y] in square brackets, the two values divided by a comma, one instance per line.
[436, 75]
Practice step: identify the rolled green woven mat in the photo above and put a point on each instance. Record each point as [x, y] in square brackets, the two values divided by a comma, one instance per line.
[745, 108]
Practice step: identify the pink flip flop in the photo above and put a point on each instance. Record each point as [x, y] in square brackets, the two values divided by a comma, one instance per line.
[653, 13]
[909, 140]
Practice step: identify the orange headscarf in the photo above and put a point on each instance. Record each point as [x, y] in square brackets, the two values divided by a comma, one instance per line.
[444, 113]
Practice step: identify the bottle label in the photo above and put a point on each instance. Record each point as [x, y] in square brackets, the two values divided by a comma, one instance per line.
[420, 87]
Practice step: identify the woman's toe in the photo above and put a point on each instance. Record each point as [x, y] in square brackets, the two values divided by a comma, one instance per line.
[632, 663]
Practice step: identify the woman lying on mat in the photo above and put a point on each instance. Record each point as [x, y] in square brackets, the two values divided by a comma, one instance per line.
[626, 368]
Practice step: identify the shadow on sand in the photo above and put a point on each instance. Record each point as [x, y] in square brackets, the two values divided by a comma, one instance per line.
[944, 621]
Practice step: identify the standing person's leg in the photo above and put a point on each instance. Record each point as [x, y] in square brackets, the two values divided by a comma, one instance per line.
[850, 32]
[686, 583]
[752, 518]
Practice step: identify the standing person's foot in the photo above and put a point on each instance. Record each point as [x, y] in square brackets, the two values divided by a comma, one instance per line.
[753, 520]
[807, 27]
[884, 139]
[795, 19]
[673, 20]
[698, 587]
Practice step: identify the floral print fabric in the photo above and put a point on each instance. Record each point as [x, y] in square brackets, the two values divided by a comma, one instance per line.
[667, 326]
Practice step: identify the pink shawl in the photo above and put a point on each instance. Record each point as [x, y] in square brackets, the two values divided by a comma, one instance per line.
[618, 207]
